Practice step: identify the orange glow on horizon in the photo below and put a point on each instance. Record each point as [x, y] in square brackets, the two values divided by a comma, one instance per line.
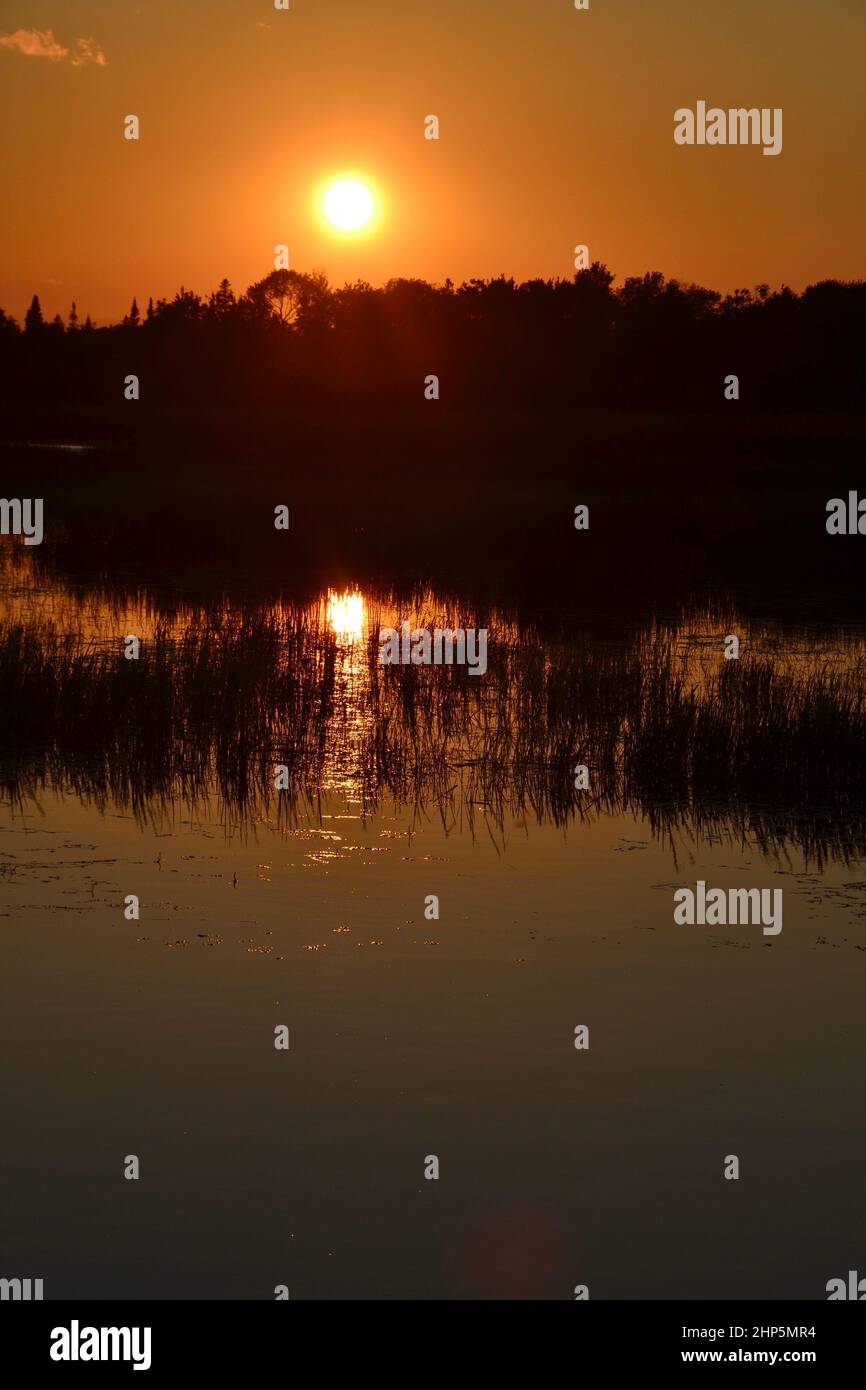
[544, 142]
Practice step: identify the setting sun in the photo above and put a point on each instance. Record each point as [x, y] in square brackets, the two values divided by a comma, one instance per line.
[348, 204]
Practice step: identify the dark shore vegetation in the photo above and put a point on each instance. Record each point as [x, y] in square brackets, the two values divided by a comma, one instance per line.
[292, 340]
[766, 747]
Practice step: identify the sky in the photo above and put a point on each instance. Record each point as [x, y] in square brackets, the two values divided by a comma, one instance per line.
[556, 128]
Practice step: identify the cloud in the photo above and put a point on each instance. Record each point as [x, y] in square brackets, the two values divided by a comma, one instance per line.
[41, 43]
[35, 43]
[88, 52]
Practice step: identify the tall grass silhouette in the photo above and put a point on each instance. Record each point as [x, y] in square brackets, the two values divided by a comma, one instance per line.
[770, 747]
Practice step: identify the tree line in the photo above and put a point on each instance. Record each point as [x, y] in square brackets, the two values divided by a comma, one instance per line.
[291, 339]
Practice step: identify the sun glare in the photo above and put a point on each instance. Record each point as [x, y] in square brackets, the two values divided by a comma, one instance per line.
[348, 204]
[346, 615]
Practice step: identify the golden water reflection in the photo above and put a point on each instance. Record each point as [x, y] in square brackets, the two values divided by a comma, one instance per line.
[775, 739]
[347, 615]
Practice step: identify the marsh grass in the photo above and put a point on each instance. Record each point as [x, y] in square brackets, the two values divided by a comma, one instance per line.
[770, 749]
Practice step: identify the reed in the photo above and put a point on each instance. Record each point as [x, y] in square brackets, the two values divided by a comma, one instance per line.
[768, 748]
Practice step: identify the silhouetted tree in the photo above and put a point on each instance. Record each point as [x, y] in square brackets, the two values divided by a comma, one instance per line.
[133, 317]
[186, 307]
[222, 302]
[288, 296]
[33, 319]
[73, 318]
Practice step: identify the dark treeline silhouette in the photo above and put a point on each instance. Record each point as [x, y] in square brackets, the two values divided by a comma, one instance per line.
[292, 340]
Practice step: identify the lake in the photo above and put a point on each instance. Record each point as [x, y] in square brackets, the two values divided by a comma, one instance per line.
[432, 908]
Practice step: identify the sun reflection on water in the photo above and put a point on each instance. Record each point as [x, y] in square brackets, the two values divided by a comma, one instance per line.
[346, 614]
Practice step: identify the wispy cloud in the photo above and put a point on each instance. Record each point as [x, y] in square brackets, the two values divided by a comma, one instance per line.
[35, 43]
[41, 43]
[87, 51]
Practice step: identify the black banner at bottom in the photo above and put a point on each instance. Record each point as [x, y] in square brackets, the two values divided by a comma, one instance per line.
[416, 1338]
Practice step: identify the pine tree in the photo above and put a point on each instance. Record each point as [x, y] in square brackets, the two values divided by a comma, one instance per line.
[33, 319]
[149, 314]
[73, 318]
[133, 318]
[222, 301]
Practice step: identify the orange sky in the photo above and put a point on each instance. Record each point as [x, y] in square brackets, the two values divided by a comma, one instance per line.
[556, 128]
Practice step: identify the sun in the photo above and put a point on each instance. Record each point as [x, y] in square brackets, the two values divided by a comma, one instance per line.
[349, 204]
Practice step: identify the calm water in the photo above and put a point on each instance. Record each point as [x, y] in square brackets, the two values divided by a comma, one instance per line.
[413, 1037]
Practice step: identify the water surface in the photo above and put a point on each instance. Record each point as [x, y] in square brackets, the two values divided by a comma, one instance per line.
[410, 1036]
